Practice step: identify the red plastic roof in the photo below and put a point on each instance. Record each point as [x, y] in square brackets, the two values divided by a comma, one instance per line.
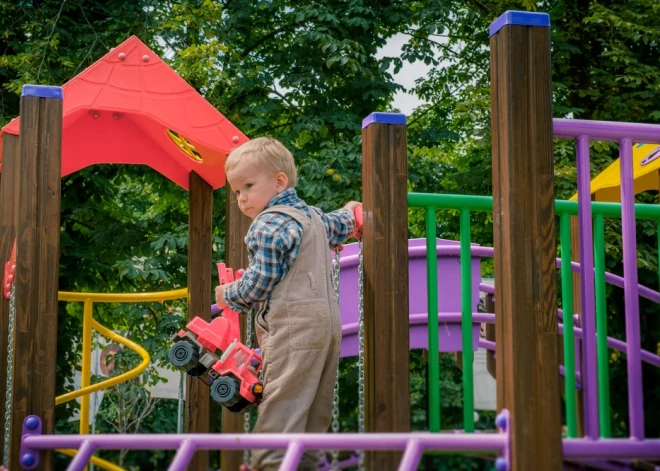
[130, 107]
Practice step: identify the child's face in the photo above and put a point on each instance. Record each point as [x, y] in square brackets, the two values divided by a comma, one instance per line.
[254, 187]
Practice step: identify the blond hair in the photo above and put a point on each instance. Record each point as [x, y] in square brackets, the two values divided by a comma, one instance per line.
[266, 152]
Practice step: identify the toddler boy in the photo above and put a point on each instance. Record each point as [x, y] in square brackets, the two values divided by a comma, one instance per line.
[289, 284]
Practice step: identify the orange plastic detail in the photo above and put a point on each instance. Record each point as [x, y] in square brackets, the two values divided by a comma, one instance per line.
[130, 107]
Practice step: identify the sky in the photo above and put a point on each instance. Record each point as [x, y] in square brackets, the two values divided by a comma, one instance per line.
[406, 77]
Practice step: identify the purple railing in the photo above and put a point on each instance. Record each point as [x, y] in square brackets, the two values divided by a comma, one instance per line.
[412, 444]
[625, 134]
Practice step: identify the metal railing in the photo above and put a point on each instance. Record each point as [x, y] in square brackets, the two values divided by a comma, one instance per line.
[465, 205]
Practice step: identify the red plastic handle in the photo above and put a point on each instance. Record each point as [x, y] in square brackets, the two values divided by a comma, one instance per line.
[359, 219]
[227, 275]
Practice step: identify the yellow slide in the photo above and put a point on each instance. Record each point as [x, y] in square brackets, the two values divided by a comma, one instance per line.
[646, 173]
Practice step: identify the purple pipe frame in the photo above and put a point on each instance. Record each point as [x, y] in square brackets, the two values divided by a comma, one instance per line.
[413, 444]
[625, 134]
[590, 384]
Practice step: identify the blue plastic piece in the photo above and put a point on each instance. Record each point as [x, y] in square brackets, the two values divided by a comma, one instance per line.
[500, 421]
[501, 464]
[525, 18]
[42, 91]
[27, 460]
[384, 118]
[32, 422]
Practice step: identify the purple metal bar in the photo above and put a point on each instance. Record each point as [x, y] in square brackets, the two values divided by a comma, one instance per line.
[606, 130]
[183, 456]
[314, 441]
[292, 456]
[79, 461]
[646, 356]
[411, 456]
[589, 373]
[631, 294]
[32, 441]
[604, 449]
[347, 463]
[422, 318]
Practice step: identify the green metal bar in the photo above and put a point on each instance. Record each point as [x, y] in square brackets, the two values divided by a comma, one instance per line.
[601, 329]
[432, 295]
[569, 337]
[485, 203]
[466, 323]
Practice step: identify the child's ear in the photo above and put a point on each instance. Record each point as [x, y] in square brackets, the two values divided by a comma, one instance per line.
[282, 182]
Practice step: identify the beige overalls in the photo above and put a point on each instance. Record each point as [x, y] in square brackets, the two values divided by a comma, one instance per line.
[299, 339]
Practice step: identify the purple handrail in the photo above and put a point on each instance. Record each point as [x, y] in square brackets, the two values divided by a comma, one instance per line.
[625, 134]
[186, 445]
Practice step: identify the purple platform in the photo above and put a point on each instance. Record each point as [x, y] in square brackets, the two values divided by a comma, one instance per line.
[449, 295]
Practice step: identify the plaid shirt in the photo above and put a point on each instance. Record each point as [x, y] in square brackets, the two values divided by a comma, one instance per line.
[273, 243]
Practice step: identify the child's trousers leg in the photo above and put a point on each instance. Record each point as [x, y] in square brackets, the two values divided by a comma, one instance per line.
[291, 382]
[320, 412]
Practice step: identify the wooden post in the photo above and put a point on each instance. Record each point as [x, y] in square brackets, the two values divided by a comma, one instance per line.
[385, 254]
[37, 264]
[524, 239]
[236, 256]
[8, 225]
[200, 221]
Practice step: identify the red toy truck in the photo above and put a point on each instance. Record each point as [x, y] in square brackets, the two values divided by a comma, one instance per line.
[234, 375]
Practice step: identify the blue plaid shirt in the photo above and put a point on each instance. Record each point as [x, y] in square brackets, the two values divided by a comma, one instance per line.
[273, 243]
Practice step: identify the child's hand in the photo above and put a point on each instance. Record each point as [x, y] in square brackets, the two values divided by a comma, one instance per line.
[351, 205]
[220, 296]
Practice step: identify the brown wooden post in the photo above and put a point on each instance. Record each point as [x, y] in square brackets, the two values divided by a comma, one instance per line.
[37, 264]
[200, 221]
[8, 200]
[385, 254]
[524, 239]
[236, 256]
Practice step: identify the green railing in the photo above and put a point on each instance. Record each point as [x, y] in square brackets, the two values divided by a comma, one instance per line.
[466, 204]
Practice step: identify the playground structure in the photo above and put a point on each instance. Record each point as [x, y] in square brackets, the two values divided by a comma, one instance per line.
[385, 323]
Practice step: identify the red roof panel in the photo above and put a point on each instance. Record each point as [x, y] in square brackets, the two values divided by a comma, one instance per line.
[130, 107]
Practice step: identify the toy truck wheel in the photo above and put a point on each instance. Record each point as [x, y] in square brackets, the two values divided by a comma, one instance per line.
[183, 355]
[224, 390]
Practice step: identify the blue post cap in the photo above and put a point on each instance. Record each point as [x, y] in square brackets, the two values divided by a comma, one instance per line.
[42, 91]
[524, 18]
[384, 118]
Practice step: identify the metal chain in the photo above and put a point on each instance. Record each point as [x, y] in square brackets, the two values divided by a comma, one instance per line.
[10, 373]
[335, 397]
[248, 414]
[360, 353]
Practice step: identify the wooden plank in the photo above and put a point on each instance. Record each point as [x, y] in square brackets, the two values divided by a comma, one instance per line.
[200, 269]
[38, 235]
[8, 202]
[236, 256]
[385, 254]
[524, 240]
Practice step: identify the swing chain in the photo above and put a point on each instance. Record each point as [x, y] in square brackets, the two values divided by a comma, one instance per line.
[360, 353]
[248, 415]
[335, 397]
[10, 372]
